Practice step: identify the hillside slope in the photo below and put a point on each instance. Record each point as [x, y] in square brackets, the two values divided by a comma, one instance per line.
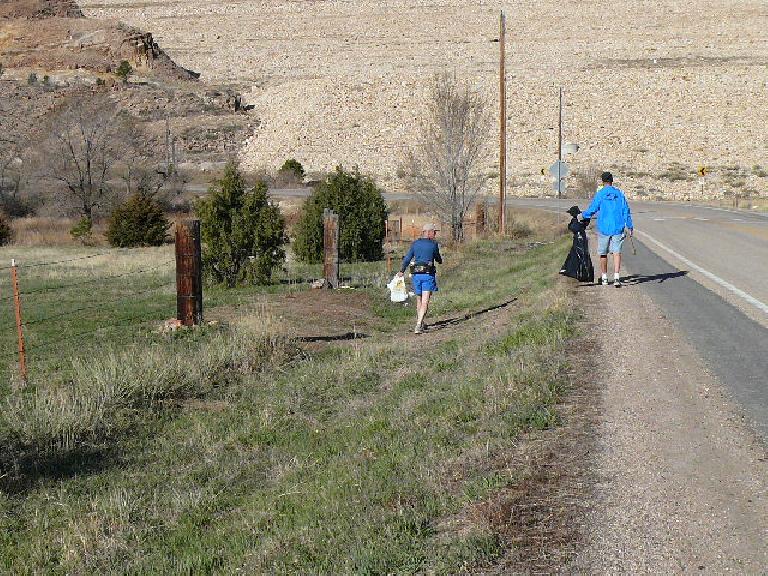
[653, 90]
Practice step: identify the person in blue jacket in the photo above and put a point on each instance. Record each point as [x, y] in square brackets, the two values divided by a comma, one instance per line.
[614, 222]
[424, 252]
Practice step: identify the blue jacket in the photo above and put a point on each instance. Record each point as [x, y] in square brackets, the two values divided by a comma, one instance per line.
[614, 211]
[423, 250]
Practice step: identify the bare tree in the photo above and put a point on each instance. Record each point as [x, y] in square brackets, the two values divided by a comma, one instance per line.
[11, 162]
[87, 142]
[445, 169]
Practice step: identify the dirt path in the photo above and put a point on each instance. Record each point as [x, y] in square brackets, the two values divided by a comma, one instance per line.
[681, 483]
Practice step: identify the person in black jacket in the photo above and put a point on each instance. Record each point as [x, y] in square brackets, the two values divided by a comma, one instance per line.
[578, 263]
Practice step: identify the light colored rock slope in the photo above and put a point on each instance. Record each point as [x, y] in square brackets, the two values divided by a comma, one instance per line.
[648, 83]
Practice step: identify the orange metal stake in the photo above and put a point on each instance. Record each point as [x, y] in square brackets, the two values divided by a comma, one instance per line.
[19, 324]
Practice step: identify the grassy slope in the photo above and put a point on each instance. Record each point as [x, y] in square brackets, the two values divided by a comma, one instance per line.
[356, 460]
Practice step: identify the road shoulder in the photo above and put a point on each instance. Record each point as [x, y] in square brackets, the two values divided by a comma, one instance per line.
[681, 481]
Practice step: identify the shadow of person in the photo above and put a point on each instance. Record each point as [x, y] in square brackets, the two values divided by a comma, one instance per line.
[658, 278]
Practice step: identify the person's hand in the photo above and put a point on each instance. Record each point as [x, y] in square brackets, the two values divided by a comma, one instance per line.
[400, 274]
[631, 231]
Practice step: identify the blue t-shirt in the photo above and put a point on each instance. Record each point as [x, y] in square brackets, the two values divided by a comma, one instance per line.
[614, 211]
[423, 251]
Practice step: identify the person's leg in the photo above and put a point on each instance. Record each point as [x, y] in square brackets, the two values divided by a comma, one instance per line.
[602, 251]
[616, 263]
[423, 307]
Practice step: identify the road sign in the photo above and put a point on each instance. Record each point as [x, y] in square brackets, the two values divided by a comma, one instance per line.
[563, 171]
[559, 187]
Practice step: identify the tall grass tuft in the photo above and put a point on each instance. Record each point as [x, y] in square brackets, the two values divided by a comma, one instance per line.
[106, 394]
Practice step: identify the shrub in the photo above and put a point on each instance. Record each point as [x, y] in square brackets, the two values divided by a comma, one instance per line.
[139, 221]
[242, 232]
[362, 215]
[32, 78]
[290, 174]
[124, 70]
[294, 166]
[6, 232]
[83, 230]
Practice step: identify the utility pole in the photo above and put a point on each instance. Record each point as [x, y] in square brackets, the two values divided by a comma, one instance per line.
[560, 143]
[502, 127]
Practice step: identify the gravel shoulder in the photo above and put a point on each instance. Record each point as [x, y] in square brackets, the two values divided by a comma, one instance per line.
[681, 482]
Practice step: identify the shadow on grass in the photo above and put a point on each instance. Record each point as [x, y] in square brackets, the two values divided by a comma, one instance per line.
[338, 337]
[23, 474]
[440, 324]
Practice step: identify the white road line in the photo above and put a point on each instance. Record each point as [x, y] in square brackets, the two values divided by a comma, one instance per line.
[727, 285]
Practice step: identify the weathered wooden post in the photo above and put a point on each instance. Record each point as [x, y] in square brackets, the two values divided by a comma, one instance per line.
[331, 248]
[189, 278]
[479, 220]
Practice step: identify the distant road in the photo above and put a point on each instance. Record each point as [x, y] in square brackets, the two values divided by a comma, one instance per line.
[706, 268]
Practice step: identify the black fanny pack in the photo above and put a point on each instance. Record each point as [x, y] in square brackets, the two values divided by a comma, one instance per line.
[422, 268]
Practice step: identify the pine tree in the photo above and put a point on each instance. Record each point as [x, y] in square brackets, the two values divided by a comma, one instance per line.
[362, 218]
[242, 232]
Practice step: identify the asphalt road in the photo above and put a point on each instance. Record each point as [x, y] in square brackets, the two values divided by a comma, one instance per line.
[706, 268]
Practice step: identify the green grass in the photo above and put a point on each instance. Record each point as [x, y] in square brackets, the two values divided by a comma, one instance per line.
[225, 452]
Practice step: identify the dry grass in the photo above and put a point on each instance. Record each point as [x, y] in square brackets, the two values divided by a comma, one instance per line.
[49, 231]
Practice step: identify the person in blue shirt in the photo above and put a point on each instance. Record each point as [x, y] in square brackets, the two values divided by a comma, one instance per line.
[614, 222]
[424, 252]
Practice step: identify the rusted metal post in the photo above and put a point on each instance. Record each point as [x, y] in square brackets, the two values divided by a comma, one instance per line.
[331, 248]
[189, 279]
[19, 323]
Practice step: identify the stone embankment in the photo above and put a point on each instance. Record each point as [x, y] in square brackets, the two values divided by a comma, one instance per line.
[653, 90]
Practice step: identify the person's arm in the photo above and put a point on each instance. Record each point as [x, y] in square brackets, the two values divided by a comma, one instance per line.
[594, 206]
[628, 220]
[406, 261]
[438, 258]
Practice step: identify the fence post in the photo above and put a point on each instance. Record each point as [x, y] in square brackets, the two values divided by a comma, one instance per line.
[189, 281]
[479, 220]
[388, 244]
[331, 248]
[19, 323]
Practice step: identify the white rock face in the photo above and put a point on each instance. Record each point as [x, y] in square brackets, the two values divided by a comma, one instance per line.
[648, 83]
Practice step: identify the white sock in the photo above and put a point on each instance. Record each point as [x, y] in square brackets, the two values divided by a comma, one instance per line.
[605, 276]
[615, 275]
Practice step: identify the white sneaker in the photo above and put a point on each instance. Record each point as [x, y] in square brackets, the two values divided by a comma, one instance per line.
[604, 281]
[418, 329]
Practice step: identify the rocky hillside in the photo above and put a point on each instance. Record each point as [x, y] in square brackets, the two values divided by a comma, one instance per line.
[50, 52]
[653, 90]
[37, 9]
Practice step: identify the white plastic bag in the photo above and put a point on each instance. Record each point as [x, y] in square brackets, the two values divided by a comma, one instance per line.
[398, 292]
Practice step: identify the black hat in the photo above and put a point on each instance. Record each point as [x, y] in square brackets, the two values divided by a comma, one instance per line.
[574, 211]
[606, 177]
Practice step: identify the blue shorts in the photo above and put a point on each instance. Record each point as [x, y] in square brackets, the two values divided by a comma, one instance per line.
[610, 244]
[424, 283]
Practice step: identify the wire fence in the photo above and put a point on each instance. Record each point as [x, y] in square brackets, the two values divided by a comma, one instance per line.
[77, 305]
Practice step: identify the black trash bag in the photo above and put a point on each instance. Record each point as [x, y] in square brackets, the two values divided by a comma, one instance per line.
[578, 263]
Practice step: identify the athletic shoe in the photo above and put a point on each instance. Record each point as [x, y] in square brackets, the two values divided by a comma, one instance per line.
[617, 283]
[418, 329]
[424, 327]
[604, 282]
